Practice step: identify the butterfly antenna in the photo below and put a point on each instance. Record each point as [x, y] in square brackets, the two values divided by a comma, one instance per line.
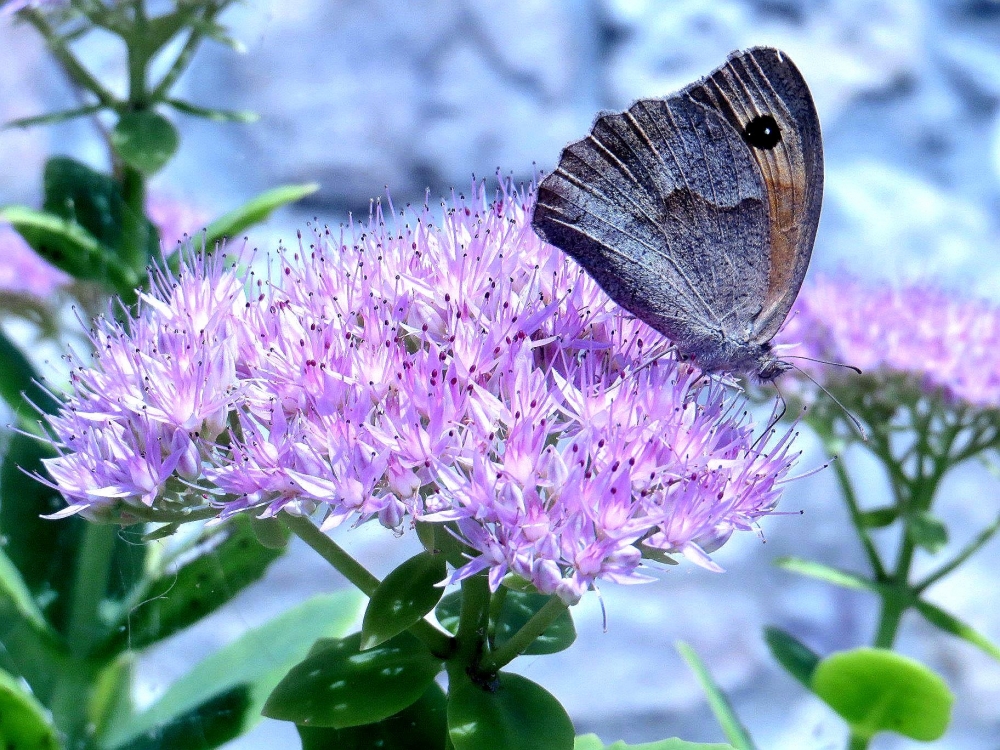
[776, 417]
[854, 420]
[824, 362]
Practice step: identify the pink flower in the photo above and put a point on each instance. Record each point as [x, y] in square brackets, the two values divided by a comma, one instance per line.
[450, 370]
[944, 343]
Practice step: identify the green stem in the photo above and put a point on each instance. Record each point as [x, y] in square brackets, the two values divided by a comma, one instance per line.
[851, 498]
[134, 230]
[472, 620]
[80, 75]
[183, 59]
[70, 700]
[332, 552]
[858, 743]
[527, 635]
[970, 549]
[439, 643]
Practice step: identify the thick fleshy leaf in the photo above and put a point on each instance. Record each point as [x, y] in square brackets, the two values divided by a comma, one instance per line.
[877, 690]
[93, 200]
[254, 212]
[145, 140]
[44, 551]
[211, 724]
[879, 518]
[593, 742]
[421, 726]
[734, 730]
[518, 608]
[951, 624]
[796, 657]
[181, 598]
[258, 659]
[69, 246]
[25, 724]
[513, 713]
[927, 531]
[339, 685]
[404, 597]
[19, 386]
[28, 649]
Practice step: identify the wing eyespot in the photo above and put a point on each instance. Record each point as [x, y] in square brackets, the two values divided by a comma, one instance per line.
[762, 132]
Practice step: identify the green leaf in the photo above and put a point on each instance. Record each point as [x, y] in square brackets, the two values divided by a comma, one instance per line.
[878, 690]
[92, 199]
[215, 722]
[421, 726]
[217, 115]
[145, 140]
[259, 658]
[734, 730]
[796, 657]
[255, 211]
[830, 575]
[593, 742]
[180, 599]
[403, 598]
[927, 531]
[951, 624]
[28, 649]
[25, 721]
[43, 551]
[14, 589]
[270, 532]
[69, 247]
[339, 686]
[513, 713]
[19, 385]
[518, 608]
[53, 117]
[879, 518]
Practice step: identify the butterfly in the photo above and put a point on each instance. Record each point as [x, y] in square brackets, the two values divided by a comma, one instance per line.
[697, 212]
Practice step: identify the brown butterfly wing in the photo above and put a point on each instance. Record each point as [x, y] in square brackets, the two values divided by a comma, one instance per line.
[664, 206]
[763, 82]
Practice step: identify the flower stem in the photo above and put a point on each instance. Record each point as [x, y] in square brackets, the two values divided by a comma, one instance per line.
[527, 635]
[332, 552]
[70, 700]
[858, 743]
[439, 643]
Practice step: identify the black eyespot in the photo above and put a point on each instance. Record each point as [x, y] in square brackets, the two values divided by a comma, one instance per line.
[762, 132]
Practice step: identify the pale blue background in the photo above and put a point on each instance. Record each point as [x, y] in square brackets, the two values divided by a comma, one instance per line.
[360, 95]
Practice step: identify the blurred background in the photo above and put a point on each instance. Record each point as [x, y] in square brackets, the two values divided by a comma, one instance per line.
[415, 96]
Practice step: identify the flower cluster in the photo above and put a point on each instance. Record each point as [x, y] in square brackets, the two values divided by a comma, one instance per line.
[460, 372]
[23, 271]
[946, 344]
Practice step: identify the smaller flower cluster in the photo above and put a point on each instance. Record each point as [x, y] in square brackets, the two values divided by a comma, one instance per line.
[947, 344]
[453, 370]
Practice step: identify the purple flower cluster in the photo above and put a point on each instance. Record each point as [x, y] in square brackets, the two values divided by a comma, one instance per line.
[23, 271]
[948, 344]
[459, 372]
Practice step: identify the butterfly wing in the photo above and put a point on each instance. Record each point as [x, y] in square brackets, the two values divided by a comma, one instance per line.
[763, 82]
[665, 207]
